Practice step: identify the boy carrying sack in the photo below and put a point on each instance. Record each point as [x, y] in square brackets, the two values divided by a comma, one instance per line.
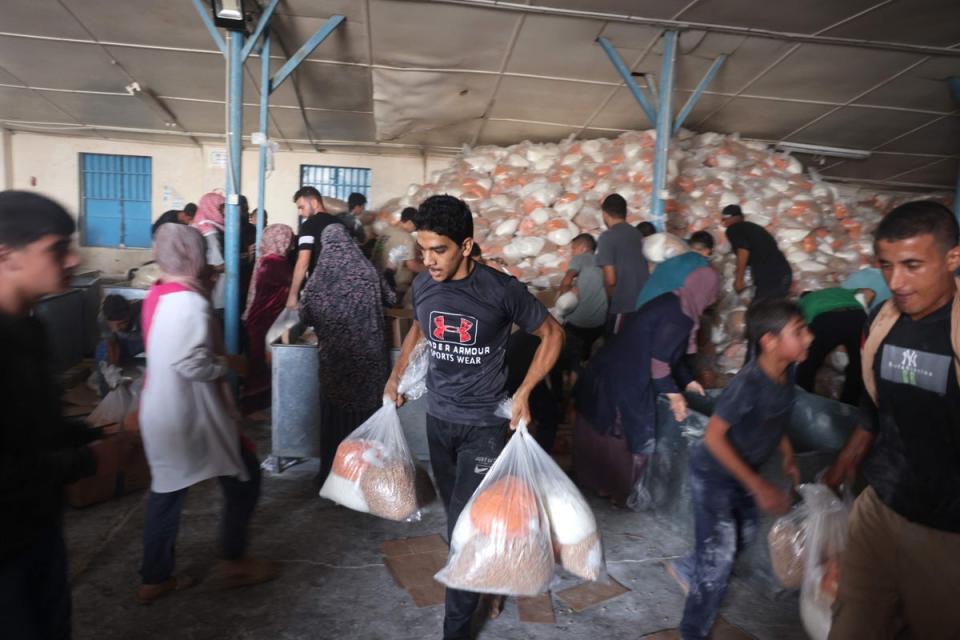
[748, 424]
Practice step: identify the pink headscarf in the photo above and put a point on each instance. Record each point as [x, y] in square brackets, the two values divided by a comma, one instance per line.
[181, 253]
[209, 216]
[699, 291]
[277, 240]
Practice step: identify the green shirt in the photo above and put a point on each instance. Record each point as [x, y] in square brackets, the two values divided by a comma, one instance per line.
[832, 299]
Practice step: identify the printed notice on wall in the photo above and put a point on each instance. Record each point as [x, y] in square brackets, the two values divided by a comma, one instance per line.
[218, 158]
[172, 199]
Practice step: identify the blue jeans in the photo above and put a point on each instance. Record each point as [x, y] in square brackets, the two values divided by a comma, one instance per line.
[162, 522]
[725, 518]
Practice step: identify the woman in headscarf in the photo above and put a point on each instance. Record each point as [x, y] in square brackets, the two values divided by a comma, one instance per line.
[209, 222]
[343, 301]
[267, 297]
[189, 426]
[616, 398]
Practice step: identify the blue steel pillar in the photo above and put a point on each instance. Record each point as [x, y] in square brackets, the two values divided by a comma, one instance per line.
[232, 209]
[664, 130]
[264, 114]
[955, 87]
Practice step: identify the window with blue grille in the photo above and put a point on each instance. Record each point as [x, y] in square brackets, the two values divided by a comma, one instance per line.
[336, 182]
[115, 199]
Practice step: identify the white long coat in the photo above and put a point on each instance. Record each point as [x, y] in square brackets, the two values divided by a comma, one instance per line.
[189, 427]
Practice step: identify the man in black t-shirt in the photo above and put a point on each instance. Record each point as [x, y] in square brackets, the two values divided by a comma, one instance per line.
[903, 552]
[466, 311]
[757, 249]
[315, 219]
[40, 451]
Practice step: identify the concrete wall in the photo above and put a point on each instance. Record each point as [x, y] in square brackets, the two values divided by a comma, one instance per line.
[50, 164]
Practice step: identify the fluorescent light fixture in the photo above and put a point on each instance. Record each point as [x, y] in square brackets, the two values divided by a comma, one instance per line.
[153, 103]
[820, 150]
[228, 14]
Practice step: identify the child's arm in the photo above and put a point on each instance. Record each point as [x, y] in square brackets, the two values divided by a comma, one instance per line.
[789, 463]
[768, 497]
[567, 283]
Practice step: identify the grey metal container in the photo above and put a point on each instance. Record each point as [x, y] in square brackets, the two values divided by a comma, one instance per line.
[90, 285]
[62, 316]
[296, 402]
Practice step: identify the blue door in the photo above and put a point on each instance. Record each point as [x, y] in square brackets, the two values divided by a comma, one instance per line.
[115, 200]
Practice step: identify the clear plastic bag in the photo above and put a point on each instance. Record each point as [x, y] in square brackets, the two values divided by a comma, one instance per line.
[287, 319]
[576, 539]
[413, 383]
[524, 517]
[501, 542]
[375, 472]
[114, 407]
[787, 541]
[826, 538]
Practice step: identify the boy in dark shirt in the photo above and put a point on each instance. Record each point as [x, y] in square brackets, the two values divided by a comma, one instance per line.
[315, 219]
[39, 451]
[757, 249]
[903, 554]
[748, 424]
[466, 311]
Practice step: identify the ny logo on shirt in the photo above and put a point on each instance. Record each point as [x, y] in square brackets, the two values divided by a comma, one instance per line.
[928, 371]
[454, 328]
[908, 359]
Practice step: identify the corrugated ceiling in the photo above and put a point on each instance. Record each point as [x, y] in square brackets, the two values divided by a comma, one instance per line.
[404, 74]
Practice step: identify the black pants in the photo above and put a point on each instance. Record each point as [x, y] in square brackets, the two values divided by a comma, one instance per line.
[163, 521]
[34, 591]
[581, 341]
[460, 456]
[777, 286]
[830, 330]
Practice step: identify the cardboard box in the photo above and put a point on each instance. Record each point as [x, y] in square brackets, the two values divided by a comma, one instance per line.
[397, 323]
[413, 562]
[548, 297]
[133, 473]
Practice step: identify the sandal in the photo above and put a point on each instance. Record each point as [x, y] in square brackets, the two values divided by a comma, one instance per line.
[147, 594]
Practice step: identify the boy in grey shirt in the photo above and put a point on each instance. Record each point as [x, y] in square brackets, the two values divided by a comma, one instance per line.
[585, 323]
[620, 254]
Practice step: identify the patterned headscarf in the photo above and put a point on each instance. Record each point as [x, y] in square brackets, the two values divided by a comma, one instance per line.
[699, 291]
[277, 240]
[181, 253]
[209, 216]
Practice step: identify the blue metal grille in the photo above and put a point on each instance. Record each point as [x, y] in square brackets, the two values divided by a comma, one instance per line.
[115, 199]
[336, 182]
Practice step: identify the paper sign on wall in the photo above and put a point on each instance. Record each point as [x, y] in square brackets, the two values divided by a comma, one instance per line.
[218, 158]
[172, 199]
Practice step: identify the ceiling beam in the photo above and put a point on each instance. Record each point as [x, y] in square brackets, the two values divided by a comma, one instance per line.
[681, 25]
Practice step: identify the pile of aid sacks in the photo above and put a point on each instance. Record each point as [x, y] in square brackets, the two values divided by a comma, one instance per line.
[530, 200]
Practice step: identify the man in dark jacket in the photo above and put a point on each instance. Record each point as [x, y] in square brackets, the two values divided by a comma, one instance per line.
[39, 451]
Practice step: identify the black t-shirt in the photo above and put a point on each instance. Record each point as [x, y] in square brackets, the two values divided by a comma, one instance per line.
[39, 450]
[310, 232]
[468, 323]
[914, 464]
[758, 410]
[766, 262]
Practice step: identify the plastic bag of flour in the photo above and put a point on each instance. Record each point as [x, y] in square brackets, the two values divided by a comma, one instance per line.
[375, 472]
[826, 538]
[501, 542]
[787, 541]
[524, 517]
